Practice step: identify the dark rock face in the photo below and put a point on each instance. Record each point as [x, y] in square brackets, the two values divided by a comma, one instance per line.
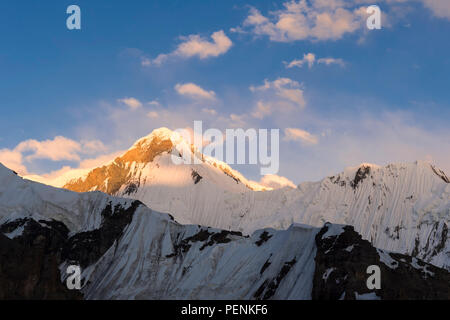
[220, 237]
[207, 236]
[85, 248]
[440, 173]
[269, 288]
[263, 237]
[341, 265]
[29, 262]
[265, 265]
[360, 175]
[131, 188]
[196, 176]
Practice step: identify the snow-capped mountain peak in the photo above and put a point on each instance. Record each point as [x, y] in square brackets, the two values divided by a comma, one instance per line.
[139, 166]
[160, 134]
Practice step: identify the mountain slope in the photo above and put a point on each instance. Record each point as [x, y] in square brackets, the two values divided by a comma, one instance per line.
[127, 251]
[146, 172]
[400, 207]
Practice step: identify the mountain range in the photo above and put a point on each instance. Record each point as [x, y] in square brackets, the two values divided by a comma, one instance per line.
[403, 207]
[142, 227]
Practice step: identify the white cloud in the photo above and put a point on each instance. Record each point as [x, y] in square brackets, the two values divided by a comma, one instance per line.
[276, 182]
[284, 88]
[133, 103]
[310, 59]
[195, 46]
[302, 20]
[13, 160]
[194, 91]
[57, 149]
[60, 148]
[295, 134]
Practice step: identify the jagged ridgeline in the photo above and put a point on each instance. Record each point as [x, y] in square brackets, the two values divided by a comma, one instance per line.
[128, 251]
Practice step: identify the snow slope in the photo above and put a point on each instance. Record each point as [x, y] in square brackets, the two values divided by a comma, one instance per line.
[229, 270]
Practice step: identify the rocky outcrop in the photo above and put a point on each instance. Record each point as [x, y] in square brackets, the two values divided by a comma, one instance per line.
[342, 260]
[29, 260]
[85, 248]
[29, 263]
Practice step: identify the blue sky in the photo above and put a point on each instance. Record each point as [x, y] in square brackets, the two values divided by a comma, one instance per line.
[382, 97]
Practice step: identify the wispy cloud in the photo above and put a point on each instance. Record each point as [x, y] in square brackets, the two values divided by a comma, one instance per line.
[283, 88]
[328, 61]
[132, 103]
[296, 134]
[194, 91]
[154, 103]
[310, 59]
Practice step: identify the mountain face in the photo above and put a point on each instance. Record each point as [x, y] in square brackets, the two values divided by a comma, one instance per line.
[128, 251]
[402, 208]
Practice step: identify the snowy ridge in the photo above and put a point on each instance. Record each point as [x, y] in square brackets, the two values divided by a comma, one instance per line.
[20, 198]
